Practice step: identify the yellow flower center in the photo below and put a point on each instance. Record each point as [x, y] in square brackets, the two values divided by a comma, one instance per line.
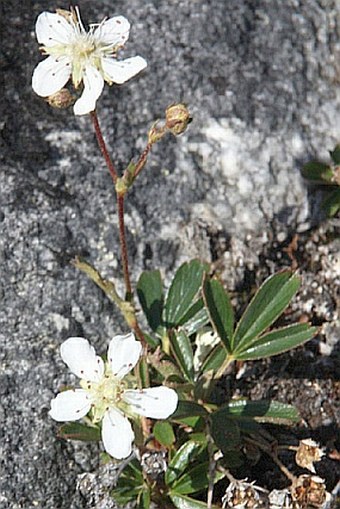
[104, 394]
[83, 47]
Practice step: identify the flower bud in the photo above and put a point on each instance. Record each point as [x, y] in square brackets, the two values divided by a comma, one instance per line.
[177, 118]
[61, 99]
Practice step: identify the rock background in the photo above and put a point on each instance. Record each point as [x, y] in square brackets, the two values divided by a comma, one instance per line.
[263, 83]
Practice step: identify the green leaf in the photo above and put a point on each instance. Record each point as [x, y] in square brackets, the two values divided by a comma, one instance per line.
[192, 422]
[335, 154]
[261, 411]
[188, 409]
[200, 437]
[78, 431]
[125, 495]
[192, 311]
[220, 310]
[215, 359]
[131, 475]
[182, 350]
[144, 498]
[164, 433]
[185, 502]
[164, 366]
[182, 292]
[181, 460]
[331, 204]
[196, 479]
[319, 172]
[267, 304]
[196, 318]
[277, 341]
[233, 460]
[151, 340]
[150, 294]
[225, 432]
[130, 484]
[143, 370]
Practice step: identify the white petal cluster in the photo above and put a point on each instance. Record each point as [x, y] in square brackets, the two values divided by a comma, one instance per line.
[105, 392]
[88, 58]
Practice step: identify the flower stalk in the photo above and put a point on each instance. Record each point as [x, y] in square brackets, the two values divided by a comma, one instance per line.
[103, 147]
[120, 192]
[142, 160]
[123, 247]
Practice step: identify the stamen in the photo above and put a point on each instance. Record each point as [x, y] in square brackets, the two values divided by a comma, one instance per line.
[79, 19]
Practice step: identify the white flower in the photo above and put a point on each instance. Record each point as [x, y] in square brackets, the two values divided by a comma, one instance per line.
[106, 394]
[86, 57]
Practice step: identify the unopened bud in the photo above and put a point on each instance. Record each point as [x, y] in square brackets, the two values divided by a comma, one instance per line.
[61, 99]
[177, 118]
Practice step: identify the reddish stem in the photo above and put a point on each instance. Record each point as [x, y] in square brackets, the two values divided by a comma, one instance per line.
[142, 160]
[102, 146]
[121, 221]
[123, 246]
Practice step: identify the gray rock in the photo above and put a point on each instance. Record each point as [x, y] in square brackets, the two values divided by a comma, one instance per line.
[262, 81]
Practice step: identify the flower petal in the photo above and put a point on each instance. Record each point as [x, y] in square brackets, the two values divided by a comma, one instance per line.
[93, 87]
[70, 405]
[157, 402]
[81, 359]
[51, 75]
[121, 71]
[52, 29]
[113, 32]
[123, 354]
[117, 434]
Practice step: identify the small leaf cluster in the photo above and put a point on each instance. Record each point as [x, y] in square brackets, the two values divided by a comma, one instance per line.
[328, 175]
[202, 440]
